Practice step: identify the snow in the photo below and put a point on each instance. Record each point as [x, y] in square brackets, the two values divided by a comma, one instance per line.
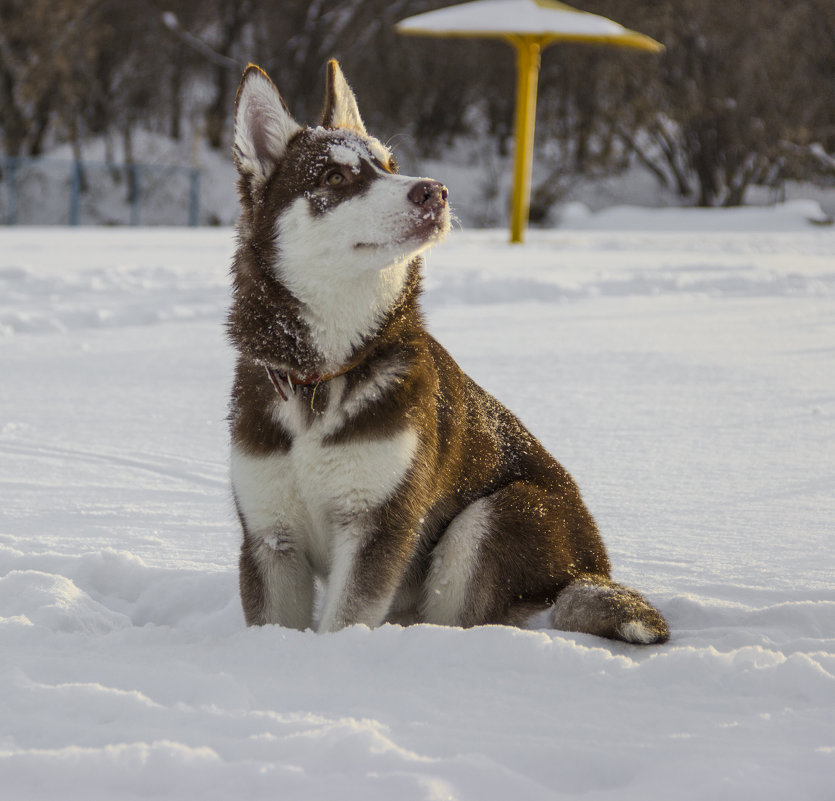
[781, 217]
[682, 372]
[496, 17]
[347, 155]
[43, 188]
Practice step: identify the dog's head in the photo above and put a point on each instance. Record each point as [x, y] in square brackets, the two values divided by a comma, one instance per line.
[332, 190]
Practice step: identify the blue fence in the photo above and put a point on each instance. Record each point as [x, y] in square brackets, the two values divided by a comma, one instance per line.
[44, 191]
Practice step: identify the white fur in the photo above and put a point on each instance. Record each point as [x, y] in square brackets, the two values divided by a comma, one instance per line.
[308, 494]
[348, 266]
[263, 127]
[454, 563]
[636, 631]
[311, 491]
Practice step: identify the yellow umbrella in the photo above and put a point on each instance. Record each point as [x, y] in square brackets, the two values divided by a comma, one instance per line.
[530, 26]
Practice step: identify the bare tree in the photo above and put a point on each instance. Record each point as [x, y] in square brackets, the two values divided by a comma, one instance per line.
[742, 95]
[739, 94]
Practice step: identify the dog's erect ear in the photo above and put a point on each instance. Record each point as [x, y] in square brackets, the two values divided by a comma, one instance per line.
[263, 125]
[341, 110]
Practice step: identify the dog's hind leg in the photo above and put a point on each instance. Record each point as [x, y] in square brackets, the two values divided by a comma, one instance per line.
[523, 550]
[451, 593]
[510, 553]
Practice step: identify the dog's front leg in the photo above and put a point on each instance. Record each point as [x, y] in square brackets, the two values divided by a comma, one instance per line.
[367, 567]
[276, 583]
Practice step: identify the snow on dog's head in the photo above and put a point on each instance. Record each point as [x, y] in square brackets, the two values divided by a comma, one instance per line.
[332, 190]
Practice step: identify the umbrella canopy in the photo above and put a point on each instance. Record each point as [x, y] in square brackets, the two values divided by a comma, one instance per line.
[530, 26]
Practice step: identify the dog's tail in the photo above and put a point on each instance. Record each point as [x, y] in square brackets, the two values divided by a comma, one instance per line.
[597, 605]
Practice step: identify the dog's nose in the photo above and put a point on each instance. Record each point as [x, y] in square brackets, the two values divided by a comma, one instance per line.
[431, 192]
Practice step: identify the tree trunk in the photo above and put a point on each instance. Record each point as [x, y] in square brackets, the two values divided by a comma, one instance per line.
[14, 126]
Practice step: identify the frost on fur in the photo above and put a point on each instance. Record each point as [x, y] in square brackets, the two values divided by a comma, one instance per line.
[263, 125]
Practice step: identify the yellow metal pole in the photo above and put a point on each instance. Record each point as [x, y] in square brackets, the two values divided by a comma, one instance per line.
[528, 49]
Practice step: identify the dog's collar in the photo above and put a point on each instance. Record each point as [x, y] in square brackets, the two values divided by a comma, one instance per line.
[292, 380]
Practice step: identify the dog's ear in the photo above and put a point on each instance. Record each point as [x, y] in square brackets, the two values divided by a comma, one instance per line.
[341, 110]
[263, 125]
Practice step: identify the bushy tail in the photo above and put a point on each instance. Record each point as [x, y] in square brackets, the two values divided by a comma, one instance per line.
[597, 605]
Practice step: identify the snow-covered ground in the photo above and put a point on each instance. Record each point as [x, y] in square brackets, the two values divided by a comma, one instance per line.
[685, 377]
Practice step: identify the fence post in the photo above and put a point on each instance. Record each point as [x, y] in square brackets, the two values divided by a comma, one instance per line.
[75, 192]
[194, 198]
[11, 168]
[134, 172]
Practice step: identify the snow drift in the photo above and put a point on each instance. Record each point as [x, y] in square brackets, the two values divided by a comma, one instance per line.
[684, 378]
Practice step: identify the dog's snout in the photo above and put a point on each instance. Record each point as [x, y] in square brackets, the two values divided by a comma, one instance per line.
[431, 192]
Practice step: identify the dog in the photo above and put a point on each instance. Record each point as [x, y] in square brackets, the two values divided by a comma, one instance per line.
[374, 481]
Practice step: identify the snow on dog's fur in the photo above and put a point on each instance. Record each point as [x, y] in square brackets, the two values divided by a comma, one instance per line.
[361, 454]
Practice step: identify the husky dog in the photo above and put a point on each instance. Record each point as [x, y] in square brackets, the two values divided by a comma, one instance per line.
[361, 453]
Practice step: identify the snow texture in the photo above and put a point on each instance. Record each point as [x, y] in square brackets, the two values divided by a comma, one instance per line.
[512, 16]
[684, 378]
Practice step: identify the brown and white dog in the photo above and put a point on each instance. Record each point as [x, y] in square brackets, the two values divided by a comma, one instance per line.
[361, 453]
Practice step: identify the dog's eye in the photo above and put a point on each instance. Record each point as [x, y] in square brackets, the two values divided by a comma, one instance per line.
[335, 178]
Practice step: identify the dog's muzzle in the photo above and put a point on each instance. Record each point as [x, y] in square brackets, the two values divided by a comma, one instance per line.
[430, 198]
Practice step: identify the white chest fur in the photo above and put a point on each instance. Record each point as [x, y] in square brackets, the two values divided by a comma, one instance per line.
[305, 497]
